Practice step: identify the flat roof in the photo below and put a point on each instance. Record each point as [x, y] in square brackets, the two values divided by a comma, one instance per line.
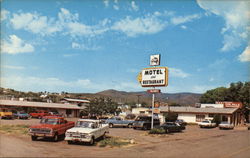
[39, 104]
[199, 110]
[77, 100]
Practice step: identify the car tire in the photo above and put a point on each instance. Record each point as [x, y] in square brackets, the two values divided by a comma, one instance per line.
[56, 137]
[144, 127]
[111, 125]
[167, 130]
[70, 142]
[92, 141]
[134, 128]
[33, 138]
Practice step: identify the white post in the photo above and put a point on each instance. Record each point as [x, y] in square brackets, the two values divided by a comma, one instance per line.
[153, 102]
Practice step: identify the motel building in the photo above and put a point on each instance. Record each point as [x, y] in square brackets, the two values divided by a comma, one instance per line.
[227, 111]
[68, 107]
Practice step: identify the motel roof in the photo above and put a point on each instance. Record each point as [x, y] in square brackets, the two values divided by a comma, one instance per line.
[199, 110]
[77, 100]
[39, 104]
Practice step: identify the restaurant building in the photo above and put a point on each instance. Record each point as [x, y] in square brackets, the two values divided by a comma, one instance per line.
[227, 111]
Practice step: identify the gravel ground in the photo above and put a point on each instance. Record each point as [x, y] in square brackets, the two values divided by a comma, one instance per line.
[192, 142]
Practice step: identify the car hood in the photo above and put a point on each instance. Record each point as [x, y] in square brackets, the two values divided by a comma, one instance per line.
[82, 130]
[44, 126]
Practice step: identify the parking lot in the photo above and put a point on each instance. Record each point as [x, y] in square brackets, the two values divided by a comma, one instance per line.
[193, 142]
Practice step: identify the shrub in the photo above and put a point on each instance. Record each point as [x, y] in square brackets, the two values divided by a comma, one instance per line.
[157, 131]
[113, 142]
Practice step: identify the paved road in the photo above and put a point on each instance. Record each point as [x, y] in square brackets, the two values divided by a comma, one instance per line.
[193, 142]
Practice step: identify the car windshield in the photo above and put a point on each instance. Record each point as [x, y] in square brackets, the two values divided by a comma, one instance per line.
[49, 121]
[143, 118]
[85, 124]
[205, 121]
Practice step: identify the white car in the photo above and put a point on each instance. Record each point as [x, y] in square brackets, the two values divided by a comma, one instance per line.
[207, 123]
[86, 130]
[226, 125]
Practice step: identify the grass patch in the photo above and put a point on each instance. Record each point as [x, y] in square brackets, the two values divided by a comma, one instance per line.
[14, 129]
[113, 142]
[157, 131]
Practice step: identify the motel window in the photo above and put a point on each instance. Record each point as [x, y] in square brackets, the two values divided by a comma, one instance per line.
[68, 111]
[224, 118]
[210, 115]
[142, 112]
[200, 118]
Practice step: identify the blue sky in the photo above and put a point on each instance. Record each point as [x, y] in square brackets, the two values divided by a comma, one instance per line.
[90, 46]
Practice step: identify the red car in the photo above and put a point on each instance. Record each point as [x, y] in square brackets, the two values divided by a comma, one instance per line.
[39, 114]
[50, 127]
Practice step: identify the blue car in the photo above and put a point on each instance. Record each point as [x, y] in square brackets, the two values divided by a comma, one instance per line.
[21, 115]
[119, 122]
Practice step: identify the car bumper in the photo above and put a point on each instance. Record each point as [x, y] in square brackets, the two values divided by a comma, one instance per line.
[77, 139]
[41, 134]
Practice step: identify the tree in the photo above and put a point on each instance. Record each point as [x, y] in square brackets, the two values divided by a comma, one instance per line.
[101, 106]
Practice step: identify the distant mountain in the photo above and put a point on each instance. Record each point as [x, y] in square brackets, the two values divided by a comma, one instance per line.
[186, 99]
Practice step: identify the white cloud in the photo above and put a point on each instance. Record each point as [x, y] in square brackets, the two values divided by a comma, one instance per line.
[184, 19]
[115, 6]
[57, 85]
[177, 73]
[236, 16]
[134, 6]
[35, 23]
[106, 3]
[245, 56]
[82, 46]
[136, 26]
[183, 27]
[4, 14]
[211, 79]
[15, 45]
[13, 67]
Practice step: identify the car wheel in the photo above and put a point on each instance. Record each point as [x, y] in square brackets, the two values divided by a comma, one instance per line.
[144, 127]
[167, 130]
[92, 141]
[130, 126]
[33, 138]
[70, 142]
[55, 138]
[104, 136]
[134, 128]
[110, 125]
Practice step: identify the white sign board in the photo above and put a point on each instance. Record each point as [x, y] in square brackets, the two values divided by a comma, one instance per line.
[154, 77]
[155, 60]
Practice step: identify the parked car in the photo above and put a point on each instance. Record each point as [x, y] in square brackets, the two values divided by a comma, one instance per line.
[171, 127]
[181, 122]
[207, 123]
[50, 127]
[144, 122]
[226, 125]
[21, 115]
[39, 114]
[52, 113]
[119, 122]
[5, 113]
[86, 130]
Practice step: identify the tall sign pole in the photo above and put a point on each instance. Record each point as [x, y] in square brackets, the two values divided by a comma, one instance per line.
[153, 77]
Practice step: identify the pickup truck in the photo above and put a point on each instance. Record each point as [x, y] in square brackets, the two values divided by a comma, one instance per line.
[50, 127]
[119, 122]
[86, 130]
[39, 114]
[207, 123]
